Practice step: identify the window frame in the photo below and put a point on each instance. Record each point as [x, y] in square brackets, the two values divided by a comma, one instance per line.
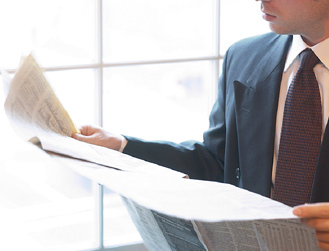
[99, 106]
[98, 68]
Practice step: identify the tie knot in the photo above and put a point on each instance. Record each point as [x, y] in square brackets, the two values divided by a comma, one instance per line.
[308, 60]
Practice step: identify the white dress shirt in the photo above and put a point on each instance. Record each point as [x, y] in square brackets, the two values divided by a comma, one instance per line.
[321, 71]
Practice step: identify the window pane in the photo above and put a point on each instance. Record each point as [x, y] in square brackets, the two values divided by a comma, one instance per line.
[148, 30]
[240, 19]
[118, 227]
[76, 91]
[166, 101]
[59, 32]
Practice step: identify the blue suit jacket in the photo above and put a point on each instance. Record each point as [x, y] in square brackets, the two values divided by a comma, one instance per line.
[238, 147]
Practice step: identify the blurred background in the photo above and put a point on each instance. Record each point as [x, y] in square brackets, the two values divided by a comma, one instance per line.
[142, 68]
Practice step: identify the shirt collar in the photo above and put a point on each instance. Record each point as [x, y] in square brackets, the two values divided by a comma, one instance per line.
[298, 45]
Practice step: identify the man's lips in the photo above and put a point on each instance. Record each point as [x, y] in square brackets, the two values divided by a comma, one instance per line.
[268, 17]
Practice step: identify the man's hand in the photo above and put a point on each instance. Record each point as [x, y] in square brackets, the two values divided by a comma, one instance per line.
[316, 216]
[98, 136]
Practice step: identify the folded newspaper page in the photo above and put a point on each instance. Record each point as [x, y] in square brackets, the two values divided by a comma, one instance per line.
[54, 143]
[31, 104]
[183, 214]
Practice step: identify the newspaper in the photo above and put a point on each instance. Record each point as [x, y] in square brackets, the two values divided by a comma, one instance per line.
[185, 214]
[31, 104]
[55, 143]
[162, 232]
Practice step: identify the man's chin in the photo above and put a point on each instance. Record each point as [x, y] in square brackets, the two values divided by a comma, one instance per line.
[279, 29]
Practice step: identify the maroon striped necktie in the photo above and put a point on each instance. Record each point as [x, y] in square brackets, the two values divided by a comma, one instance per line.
[300, 135]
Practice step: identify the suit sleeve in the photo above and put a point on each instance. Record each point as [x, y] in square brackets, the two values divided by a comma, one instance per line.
[190, 157]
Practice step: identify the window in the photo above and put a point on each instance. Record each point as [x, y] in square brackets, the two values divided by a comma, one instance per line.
[143, 68]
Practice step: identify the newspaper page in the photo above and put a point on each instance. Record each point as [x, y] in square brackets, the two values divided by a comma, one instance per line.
[179, 233]
[229, 235]
[71, 148]
[32, 105]
[256, 235]
[284, 235]
[224, 217]
[161, 232]
[146, 225]
[264, 235]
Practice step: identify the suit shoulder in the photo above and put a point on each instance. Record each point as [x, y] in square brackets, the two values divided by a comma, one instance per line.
[260, 43]
[242, 57]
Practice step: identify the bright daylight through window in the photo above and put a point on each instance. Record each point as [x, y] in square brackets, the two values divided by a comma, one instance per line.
[142, 68]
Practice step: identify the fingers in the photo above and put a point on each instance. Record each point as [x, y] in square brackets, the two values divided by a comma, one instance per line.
[320, 224]
[323, 239]
[80, 137]
[89, 134]
[322, 236]
[323, 245]
[83, 130]
[98, 136]
[88, 130]
[316, 216]
[316, 210]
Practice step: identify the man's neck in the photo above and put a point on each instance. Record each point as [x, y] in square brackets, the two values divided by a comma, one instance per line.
[313, 40]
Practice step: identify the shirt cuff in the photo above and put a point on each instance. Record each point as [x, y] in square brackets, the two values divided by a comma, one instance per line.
[124, 142]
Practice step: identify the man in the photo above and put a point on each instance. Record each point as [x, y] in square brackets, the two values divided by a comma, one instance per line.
[241, 145]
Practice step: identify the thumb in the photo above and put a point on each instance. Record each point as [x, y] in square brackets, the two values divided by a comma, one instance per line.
[79, 136]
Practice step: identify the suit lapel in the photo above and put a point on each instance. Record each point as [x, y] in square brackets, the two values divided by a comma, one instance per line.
[320, 188]
[256, 101]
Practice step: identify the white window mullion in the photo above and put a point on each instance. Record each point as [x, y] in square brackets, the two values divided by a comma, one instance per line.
[213, 90]
[99, 73]
[216, 63]
[99, 189]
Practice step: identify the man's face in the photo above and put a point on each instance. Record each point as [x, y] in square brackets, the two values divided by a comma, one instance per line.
[309, 18]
